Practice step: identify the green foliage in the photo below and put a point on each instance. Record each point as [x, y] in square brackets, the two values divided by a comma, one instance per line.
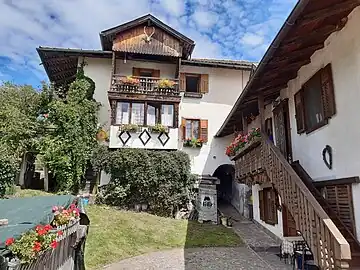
[68, 148]
[161, 179]
[19, 128]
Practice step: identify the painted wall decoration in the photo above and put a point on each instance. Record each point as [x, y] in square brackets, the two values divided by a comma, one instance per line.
[327, 156]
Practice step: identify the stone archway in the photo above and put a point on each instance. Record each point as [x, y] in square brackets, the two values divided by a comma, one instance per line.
[225, 173]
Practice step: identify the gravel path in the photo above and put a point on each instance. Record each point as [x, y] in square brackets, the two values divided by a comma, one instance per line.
[239, 258]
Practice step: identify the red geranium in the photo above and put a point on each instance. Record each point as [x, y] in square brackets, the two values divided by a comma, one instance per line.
[54, 244]
[37, 246]
[9, 241]
[59, 233]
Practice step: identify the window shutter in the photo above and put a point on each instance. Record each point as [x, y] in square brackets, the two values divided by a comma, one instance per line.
[261, 205]
[204, 83]
[327, 92]
[204, 130]
[136, 72]
[182, 82]
[183, 127]
[156, 73]
[300, 112]
[273, 218]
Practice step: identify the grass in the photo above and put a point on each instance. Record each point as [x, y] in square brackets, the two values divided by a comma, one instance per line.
[115, 235]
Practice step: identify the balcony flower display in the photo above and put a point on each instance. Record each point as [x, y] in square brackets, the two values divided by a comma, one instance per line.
[33, 243]
[129, 80]
[159, 128]
[64, 216]
[165, 83]
[129, 128]
[241, 141]
[193, 142]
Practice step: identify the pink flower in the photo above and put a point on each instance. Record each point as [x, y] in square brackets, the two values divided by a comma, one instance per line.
[55, 208]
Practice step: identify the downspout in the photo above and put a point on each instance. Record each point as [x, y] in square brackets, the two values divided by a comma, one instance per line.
[298, 9]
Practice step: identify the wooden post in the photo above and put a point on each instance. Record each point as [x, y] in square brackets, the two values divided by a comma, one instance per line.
[244, 123]
[261, 111]
[113, 69]
[46, 178]
[21, 178]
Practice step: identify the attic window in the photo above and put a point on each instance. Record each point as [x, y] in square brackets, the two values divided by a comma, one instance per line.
[192, 83]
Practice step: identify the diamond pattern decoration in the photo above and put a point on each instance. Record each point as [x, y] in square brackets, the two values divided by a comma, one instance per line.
[163, 138]
[124, 137]
[145, 137]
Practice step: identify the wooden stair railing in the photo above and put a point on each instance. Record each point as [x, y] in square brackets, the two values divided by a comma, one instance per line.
[328, 245]
[345, 231]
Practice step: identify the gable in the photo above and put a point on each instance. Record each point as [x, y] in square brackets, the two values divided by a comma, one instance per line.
[147, 40]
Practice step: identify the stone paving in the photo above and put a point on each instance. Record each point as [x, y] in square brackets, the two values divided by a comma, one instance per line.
[258, 254]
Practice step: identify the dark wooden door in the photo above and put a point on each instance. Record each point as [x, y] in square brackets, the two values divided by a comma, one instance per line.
[282, 129]
[289, 226]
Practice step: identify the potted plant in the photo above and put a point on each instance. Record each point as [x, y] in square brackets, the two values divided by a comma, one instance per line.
[102, 136]
[193, 142]
[129, 128]
[130, 81]
[159, 128]
[241, 141]
[31, 246]
[166, 84]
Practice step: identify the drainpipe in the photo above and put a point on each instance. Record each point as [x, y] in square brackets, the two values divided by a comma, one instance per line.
[298, 9]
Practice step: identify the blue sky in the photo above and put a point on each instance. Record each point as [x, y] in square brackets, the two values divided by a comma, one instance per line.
[226, 29]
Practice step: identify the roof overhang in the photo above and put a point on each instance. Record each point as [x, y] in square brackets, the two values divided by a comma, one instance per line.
[304, 32]
[61, 64]
[217, 63]
[107, 36]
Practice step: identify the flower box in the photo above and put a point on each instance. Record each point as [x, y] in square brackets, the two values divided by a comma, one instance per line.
[242, 141]
[253, 143]
[195, 143]
[158, 128]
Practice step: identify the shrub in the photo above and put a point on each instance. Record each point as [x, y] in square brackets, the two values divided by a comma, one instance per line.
[159, 178]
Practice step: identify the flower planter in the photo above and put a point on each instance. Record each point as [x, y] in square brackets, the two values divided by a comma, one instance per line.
[248, 147]
[41, 263]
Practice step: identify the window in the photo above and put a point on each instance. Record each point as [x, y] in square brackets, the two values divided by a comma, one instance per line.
[268, 203]
[315, 102]
[137, 114]
[145, 114]
[146, 72]
[194, 129]
[167, 115]
[194, 84]
[122, 113]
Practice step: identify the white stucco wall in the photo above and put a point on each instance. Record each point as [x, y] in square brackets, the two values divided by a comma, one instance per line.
[276, 229]
[225, 85]
[126, 69]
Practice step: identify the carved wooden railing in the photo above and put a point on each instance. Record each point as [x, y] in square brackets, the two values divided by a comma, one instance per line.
[146, 85]
[329, 247]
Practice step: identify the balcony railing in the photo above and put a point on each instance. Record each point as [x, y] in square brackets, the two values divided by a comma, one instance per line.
[263, 162]
[145, 85]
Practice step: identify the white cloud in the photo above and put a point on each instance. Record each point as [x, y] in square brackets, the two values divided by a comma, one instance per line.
[251, 39]
[220, 28]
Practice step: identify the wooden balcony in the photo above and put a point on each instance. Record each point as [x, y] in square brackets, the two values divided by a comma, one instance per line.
[263, 162]
[145, 85]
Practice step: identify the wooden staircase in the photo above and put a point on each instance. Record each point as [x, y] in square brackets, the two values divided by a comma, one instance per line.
[264, 163]
[345, 231]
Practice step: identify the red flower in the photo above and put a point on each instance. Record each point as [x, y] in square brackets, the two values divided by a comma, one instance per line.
[59, 233]
[42, 232]
[48, 227]
[39, 227]
[72, 206]
[37, 246]
[9, 241]
[54, 244]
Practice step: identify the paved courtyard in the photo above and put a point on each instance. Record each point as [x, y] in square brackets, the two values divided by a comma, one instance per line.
[259, 253]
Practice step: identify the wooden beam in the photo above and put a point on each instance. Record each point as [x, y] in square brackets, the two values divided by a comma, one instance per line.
[338, 181]
[261, 111]
[63, 72]
[331, 10]
[298, 54]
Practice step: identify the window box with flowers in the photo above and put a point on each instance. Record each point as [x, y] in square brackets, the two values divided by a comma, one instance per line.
[166, 86]
[129, 128]
[242, 143]
[159, 128]
[45, 246]
[129, 83]
[195, 143]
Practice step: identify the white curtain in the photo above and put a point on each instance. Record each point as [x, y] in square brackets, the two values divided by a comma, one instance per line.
[151, 115]
[167, 115]
[122, 113]
[137, 114]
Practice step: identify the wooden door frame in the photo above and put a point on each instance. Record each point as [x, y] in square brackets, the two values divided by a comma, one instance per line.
[284, 106]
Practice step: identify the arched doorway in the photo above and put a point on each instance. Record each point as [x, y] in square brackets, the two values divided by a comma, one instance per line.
[225, 173]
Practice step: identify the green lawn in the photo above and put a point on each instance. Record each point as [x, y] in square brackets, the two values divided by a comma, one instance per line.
[116, 235]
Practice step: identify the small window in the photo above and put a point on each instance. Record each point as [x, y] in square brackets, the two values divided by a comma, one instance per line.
[167, 115]
[137, 114]
[192, 83]
[315, 102]
[144, 73]
[122, 113]
[192, 129]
